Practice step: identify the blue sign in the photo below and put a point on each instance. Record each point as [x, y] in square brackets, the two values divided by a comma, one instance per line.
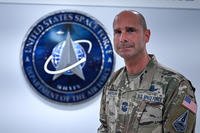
[67, 56]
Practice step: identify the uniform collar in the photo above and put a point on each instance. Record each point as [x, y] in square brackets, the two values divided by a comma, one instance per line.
[145, 77]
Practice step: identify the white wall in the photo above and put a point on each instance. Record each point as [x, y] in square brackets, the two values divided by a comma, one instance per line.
[187, 4]
[175, 41]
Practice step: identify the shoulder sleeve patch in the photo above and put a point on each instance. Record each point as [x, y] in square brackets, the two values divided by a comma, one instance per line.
[180, 124]
[189, 104]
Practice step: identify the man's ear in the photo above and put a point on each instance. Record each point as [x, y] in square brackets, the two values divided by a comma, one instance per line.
[147, 34]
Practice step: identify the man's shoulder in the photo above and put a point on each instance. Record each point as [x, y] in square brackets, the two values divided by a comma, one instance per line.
[115, 74]
[169, 73]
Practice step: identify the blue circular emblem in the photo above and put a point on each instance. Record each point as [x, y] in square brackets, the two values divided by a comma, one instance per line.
[67, 56]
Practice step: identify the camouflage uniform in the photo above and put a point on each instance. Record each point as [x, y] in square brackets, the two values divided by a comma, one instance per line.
[151, 102]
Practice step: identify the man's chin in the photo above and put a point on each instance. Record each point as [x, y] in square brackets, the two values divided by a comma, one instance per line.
[125, 56]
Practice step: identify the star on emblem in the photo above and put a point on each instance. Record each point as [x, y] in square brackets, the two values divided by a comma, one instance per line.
[68, 58]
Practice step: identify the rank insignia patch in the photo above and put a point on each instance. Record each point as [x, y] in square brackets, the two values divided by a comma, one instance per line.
[124, 106]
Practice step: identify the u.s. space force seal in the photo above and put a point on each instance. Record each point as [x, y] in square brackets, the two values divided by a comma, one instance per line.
[67, 56]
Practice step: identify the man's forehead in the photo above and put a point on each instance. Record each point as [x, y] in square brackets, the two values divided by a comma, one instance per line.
[126, 23]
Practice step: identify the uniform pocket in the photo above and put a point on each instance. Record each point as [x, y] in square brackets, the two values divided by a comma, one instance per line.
[111, 102]
[151, 114]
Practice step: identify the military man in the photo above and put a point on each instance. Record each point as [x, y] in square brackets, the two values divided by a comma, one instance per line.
[144, 96]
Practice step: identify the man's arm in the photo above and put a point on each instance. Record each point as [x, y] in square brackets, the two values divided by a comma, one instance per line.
[180, 109]
[103, 127]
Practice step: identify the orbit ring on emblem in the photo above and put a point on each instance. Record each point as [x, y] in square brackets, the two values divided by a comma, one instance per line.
[71, 66]
[64, 69]
[67, 56]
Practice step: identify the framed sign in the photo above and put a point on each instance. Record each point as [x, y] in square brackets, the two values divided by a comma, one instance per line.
[67, 56]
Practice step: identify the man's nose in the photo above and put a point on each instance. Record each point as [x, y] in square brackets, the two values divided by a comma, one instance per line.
[123, 37]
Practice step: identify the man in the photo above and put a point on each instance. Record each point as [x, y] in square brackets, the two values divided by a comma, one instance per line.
[144, 96]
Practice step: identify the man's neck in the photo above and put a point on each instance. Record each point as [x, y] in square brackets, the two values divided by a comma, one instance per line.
[137, 65]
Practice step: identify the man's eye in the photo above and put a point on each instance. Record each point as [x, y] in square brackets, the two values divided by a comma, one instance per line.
[131, 30]
[117, 31]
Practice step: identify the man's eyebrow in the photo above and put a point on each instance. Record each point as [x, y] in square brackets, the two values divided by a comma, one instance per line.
[117, 29]
[131, 29]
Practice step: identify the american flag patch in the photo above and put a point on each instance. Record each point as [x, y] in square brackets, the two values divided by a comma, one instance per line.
[189, 104]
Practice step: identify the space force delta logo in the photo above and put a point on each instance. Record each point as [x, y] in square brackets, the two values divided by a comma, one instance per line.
[67, 56]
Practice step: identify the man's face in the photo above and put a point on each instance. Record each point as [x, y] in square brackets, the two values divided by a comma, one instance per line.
[129, 36]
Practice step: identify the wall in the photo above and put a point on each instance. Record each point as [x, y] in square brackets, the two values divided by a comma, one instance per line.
[175, 42]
